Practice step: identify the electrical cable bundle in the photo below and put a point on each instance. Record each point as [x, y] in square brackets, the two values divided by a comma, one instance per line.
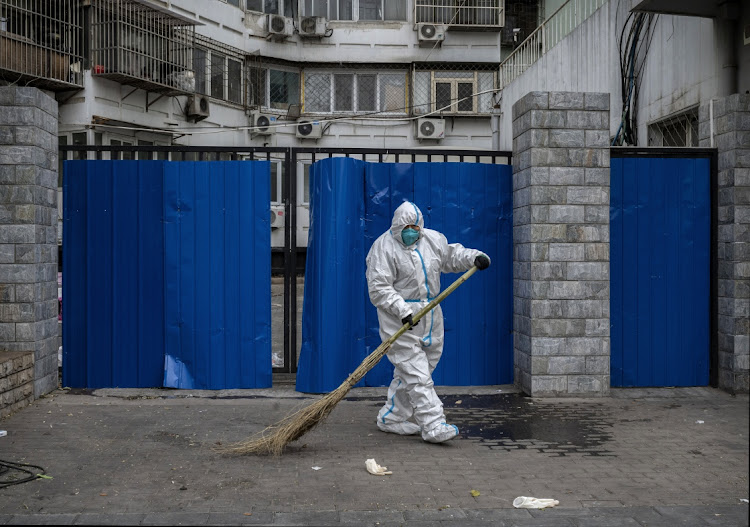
[9, 473]
[640, 32]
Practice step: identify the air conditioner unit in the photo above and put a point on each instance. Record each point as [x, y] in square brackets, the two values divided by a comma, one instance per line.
[309, 129]
[263, 124]
[198, 107]
[277, 216]
[312, 26]
[430, 128]
[279, 27]
[430, 34]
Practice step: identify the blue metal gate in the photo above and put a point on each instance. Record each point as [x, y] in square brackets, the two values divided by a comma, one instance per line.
[352, 204]
[167, 270]
[660, 265]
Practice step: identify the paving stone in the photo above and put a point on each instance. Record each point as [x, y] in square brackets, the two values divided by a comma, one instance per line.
[43, 519]
[307, 518]
[109, 519]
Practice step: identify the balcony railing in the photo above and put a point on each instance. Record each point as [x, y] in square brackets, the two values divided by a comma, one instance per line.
[461, 14]
[144, 46]
[41, 43]
[561, 23]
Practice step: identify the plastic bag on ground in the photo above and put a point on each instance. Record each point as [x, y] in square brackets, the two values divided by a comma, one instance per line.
[375, 469]
[526, 502]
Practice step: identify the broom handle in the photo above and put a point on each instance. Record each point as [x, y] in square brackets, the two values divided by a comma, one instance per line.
[381, 350]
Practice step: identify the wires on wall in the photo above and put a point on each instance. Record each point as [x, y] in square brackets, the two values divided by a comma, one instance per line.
[633, 44]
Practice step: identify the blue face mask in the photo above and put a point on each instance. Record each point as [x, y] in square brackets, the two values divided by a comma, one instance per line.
[409, 235]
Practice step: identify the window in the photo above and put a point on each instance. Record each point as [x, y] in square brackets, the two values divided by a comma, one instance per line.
[273, 7]
[371, 10]
[355, 92]
[283, 89]
[235, 3]
[453, 92]
[277, 182]
[218, 75]
[679, 130]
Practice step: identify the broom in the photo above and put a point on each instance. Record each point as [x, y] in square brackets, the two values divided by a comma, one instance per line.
[274, 438]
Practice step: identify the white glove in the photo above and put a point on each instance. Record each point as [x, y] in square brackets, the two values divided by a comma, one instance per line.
[375, 469]
[524, 502]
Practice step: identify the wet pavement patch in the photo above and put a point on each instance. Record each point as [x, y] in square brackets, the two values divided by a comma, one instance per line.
[513, 422]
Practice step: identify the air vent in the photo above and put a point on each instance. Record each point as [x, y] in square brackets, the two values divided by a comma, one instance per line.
[198, 107]
[263, 124]
[430, 128]
[309, 130]
[430, 35]
[279, 27]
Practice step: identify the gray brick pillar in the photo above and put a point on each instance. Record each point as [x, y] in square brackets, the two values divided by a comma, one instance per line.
[561, 243]
[731, 116]
[28, 222]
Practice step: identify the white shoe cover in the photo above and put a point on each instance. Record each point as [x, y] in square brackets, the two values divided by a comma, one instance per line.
[440, 433]
[404, 428]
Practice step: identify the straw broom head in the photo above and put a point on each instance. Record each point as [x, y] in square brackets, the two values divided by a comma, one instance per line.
[274, 438]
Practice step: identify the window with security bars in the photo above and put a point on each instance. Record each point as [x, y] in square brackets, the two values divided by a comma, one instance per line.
[272, 7]
[218, 70]
[356, 10]
[355, 92]
[457, 92]
[676, 131]
[139, 45]
[42, 43]
[481, 13]
[273, 88]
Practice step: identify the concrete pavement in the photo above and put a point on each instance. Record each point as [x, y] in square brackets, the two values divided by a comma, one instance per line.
[129, 457]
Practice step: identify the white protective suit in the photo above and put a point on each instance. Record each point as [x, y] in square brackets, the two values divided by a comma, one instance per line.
[402, 280]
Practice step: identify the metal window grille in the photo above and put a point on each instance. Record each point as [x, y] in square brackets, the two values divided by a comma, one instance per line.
[356, 90]
[487, 14]
[453, 89]
[273, 84]
[138, 44]
[273, 7]
[677, 130]
[218, 70]
[42, 43]
[365, 10]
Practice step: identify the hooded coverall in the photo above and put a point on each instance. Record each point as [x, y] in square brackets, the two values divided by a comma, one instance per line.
[401, 280]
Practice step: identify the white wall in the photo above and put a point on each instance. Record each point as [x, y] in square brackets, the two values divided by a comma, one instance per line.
[684, 66]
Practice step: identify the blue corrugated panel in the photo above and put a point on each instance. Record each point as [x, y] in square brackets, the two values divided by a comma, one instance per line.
[332, 316]
[470, 203]
[217, 275]
[660, 261]
[113, 272]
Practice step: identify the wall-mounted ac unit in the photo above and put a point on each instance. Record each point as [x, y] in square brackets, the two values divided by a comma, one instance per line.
[279, 27]
[430, 128]
[430, 34]
[198, 107]
[312, 26]
[309, 129]
[277, 216]
[263, 124]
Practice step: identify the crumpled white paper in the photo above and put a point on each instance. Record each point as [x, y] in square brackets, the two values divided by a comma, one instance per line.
[526, 502]
[375, 469]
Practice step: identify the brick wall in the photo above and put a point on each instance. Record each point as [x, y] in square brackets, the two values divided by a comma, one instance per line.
[731, 116]
[28, 223]
[561, 243]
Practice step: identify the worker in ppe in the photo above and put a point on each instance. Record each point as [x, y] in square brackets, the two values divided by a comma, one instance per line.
[403, 275]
